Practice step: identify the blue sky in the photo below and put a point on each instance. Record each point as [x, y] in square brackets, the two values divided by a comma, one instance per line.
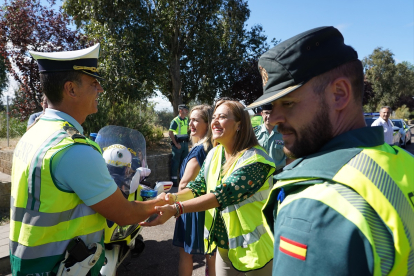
[365, 24]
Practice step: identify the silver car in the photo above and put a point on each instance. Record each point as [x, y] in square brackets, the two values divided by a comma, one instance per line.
[405, 131]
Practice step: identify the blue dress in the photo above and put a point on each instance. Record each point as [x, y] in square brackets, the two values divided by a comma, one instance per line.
[189, 228]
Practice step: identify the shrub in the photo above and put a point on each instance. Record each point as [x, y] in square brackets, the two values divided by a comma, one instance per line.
[130, 113]
[402, 112]
[16, 127]
[164, 118]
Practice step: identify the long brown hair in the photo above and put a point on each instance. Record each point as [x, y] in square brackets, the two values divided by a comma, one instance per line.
[206, 112]
[245, 137]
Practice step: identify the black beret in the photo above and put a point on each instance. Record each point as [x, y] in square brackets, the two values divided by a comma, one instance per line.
[182, 106]
[292, 63]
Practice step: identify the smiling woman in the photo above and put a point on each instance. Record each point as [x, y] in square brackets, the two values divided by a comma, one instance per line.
[232, 187]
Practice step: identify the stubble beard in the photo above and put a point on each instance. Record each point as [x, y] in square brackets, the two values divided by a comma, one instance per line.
[311, 137]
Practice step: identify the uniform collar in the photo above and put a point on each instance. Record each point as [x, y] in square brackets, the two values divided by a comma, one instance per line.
[356, 138]
[59, 115]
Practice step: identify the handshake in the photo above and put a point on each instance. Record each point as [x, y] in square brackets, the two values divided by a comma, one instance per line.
[166, 207]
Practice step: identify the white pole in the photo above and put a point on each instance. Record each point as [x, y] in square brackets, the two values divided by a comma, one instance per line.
[7, 97]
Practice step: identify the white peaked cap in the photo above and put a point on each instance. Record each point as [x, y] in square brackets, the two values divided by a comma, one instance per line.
[91, 52]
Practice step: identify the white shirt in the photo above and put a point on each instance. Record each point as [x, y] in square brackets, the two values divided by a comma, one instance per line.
[388, 131]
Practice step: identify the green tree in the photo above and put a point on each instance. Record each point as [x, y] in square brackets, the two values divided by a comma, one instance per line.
[186, 49]
[389, 80]
[32, 25]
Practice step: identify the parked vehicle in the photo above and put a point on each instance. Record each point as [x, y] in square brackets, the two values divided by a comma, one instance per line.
[370, 118]
[405, 131]
[124, 151]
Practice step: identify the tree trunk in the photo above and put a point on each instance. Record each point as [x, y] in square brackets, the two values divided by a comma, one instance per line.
[175, 71]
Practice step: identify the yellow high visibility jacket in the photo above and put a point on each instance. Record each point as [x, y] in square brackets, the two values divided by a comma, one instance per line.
[250, 245]
[43, 217]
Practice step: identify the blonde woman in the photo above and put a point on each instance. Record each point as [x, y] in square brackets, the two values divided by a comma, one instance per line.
[232, 187]
[188, 234]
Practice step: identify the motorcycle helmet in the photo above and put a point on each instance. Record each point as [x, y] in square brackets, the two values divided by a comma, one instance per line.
[117, 155]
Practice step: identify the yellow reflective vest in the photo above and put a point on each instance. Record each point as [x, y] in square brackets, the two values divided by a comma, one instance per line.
[256, 120]
[384, 177]
[43, 218]
[182, 126]
[250, 245]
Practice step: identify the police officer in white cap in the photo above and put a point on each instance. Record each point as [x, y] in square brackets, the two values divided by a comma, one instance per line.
[61, 187]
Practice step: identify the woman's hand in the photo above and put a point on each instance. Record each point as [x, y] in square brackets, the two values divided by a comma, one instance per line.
[164, 213]
[168, 198]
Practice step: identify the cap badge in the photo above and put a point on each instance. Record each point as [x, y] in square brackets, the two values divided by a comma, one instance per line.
[92, 69]
[265, 77]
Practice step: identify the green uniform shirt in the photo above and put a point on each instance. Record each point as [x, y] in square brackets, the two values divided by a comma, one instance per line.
[272, 143]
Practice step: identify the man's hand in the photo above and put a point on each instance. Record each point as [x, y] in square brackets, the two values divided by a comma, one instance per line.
[164, 213]
[178, 146]
[169, 198]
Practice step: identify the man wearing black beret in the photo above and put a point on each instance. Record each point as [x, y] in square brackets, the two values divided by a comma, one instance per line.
[178, 133]
[345, 205]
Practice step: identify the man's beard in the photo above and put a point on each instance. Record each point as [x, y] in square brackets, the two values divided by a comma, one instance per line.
[311, 137]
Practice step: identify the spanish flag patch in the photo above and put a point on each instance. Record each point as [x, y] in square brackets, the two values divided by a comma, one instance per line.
[292, 248]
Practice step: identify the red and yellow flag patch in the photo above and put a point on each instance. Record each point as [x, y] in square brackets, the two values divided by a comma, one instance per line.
[292, 248]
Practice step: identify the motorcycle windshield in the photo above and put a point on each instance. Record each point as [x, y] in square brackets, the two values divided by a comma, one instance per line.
[122, 141]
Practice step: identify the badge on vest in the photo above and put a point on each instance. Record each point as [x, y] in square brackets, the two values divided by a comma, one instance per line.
[292, 248]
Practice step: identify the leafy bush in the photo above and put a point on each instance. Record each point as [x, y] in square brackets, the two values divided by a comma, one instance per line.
[402, 112]
[164, 118]
[130, 113]
[16, 127]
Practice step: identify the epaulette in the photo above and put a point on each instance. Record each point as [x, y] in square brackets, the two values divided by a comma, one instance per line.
[73, 132]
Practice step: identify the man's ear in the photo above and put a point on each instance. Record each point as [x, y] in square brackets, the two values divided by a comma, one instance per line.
[69, 89]
[341, 93]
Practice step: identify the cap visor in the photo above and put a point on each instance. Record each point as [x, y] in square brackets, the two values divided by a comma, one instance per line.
[272, 96]
[92, 74]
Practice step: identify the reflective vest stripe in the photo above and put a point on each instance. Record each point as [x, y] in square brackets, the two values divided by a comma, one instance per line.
[249, 238]
[46, 250]
[250, 153]
[381, 235]
[33, 202]
[35, 218]
[41, 235]
[259, 196]
[387, 186]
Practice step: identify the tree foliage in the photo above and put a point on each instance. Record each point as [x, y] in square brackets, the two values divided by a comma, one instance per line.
[389, 81]
[248, 85]
[186, 49]
[31, 25]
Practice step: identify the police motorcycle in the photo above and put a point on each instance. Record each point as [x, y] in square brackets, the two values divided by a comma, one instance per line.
[124, 151]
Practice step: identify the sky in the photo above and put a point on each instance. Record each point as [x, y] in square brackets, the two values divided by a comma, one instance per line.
[365, 24]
